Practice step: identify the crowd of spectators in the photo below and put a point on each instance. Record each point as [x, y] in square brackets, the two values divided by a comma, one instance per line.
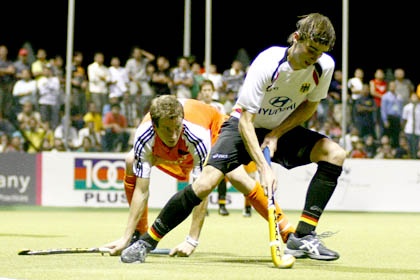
[107, 102]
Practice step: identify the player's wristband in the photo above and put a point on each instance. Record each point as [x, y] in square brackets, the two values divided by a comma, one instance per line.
[191, 241]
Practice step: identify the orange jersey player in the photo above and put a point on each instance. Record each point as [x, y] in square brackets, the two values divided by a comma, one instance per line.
[176, 137]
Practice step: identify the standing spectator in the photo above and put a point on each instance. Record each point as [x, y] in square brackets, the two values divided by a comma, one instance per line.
[230, 101]
[99, 78]
[411, 124]
[57, 68]
[161, 81]
[116, 136]
[355, 86]
[365, 108]
[49, 97]
[334, 94]
[128, 109]
[217, 79]
[140, 88]
[7, 80]
[25, 90]
[22, 63]
[378, 87]
[391, 112]
[119, 78]
[206, 95]
[233, 78]
[79, 83]
[183, 78]
[198, 79]
[403, 85]
[38, 66]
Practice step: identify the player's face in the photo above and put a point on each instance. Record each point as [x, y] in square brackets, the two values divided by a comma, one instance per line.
[206, 93]
[169, 131]
[307, 53]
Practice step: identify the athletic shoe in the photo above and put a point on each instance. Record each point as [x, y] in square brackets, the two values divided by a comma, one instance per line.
[247, 211]
[222, 210]
[309, 246]
[135, 253]
[135, 237]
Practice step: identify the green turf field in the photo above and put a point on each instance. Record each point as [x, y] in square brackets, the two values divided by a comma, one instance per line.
[372, 246]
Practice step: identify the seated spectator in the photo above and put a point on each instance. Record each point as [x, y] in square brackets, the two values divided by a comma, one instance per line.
[16, 144]
[89, 132]
[34, 134]
[26, 114]
[94, 115]
[385, 150]
[116, 136]
[6, 126]
[59, 145]
[87, 146]
[371, 146]
[358, 150]
[403, 149]
[4, 141]
[71, 142]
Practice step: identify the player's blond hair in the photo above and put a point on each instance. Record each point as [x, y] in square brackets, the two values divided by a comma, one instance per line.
[165, 107]
[315, 27]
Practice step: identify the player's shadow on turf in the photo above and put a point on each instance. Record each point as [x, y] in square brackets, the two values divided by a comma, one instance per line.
[29, 235]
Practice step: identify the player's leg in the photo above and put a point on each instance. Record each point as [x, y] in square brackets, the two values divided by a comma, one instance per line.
[221, 192]
[251, 169]
[330, 157]
[254, 192]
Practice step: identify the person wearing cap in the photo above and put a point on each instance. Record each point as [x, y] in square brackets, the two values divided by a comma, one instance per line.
[21, 63]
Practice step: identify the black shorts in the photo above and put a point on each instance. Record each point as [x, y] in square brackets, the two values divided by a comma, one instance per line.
[293, 148]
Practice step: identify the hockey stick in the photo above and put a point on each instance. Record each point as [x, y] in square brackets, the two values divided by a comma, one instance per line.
[279, 259]
[102, 251]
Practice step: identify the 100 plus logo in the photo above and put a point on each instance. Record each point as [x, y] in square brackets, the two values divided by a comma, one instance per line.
[98, 174]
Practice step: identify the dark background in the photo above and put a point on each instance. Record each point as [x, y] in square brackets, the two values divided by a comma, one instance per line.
[380, 35]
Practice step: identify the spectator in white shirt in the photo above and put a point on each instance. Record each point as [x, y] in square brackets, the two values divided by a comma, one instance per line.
[25, 89]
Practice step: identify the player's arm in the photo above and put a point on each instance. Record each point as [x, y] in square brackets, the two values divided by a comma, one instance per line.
[137, 207]
[302, 113]
[249, 137]
[187, 247]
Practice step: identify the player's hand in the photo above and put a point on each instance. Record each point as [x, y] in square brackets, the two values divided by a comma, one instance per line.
[116, 247]
[184, 249]
[268, 181]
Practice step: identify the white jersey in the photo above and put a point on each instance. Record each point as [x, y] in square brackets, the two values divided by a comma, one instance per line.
[189, 153]
[273, 90]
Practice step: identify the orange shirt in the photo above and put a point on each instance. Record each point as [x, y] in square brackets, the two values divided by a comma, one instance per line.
[201, 127]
